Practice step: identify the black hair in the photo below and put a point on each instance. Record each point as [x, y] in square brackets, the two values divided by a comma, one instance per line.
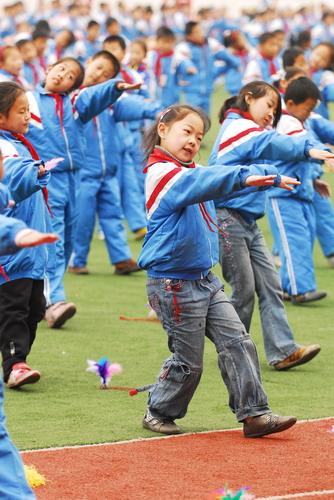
[302, 38]
[265, 37]
[169, 116]
[165, 32]
[301, 89]
[256, 89]
[116, 39]
[330, 47]
[9, 92]
[80, 77]
[290, 55]
[110, 20]
[71, 37]
[92, 24]
[23, 42]
[189, 27]
[110, 57]
[291, 71]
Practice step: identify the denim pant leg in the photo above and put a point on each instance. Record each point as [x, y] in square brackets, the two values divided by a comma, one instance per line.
[235, 261]
[237, 356]
[182, 313]
[277, 335]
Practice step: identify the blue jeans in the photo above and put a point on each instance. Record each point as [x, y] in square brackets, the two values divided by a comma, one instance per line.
[190, 311]
[247, 266]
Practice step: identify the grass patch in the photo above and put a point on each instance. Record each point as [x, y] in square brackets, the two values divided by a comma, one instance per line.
[66, 406]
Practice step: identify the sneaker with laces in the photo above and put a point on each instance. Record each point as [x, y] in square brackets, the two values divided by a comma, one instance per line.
[22, 374]
[267, 424]
[127, 267]
[57, 314]
[302, 355]
[163, 426]
[78, 270]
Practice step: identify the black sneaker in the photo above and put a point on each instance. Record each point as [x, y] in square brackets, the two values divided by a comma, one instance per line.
[304, 298]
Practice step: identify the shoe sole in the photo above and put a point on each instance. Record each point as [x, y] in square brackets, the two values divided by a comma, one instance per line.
[124, 273]
[148, 427]
[279, 428]
[80, 273]
[31, 379]
[68, 314]
[301, 361]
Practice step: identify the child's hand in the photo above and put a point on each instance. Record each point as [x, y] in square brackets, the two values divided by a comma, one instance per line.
[49, 165]
[31, 238]
[192, 70]
[41, 170]
[269, 180]
[322, 187]
[330, 164]
[320, 154]
[128, 86]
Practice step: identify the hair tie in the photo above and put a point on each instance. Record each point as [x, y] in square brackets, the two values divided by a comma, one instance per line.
[164, 113]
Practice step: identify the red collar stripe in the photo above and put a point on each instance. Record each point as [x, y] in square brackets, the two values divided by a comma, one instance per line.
[242, 134]
[159, 187]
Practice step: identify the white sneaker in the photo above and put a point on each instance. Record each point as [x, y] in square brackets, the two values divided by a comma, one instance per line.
[22, 374]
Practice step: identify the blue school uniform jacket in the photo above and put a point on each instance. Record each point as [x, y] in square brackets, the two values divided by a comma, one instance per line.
[241, 141]
[203, 58]
[30, 207]
[103, 146]
[59, 134]
[304, 170]
[182, 239]
[324, 79]
[9, 228]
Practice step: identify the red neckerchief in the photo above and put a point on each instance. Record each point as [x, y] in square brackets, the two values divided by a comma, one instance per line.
[59, 107]
[18, 80]
[4, 274]
[34, 155]
[158, 156]
[126, 76]
[42, 62]
[272, 65]
[157, 65]
[238, 111]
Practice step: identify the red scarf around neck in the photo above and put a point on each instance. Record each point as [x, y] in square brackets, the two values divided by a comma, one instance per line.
[157, 65]
[34, 155]
[158, 156]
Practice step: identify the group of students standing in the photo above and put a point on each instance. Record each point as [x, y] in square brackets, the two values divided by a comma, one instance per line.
[72, 149]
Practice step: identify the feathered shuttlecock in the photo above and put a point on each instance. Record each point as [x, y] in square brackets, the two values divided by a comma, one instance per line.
[227, 494]
[104, 369]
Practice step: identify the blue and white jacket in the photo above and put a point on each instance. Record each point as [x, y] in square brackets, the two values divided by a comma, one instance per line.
[324, 80]
[304, 170]
[103, 146]
[261, 68]
[56, 132]
[203, 58]
[30, 207]
[241, 141]
[9, 228]
[182, 241]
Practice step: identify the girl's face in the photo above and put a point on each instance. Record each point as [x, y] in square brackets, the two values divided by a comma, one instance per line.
[137, 54]
[61, 77]
[320, 57]
[13, 62]
[182, 138]
[18, 116]
[263, 109]
[98, 70]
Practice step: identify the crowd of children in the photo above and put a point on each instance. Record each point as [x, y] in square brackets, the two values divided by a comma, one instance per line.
[79, 89]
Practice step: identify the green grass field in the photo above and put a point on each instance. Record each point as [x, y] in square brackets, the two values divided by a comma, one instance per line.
[66, 406]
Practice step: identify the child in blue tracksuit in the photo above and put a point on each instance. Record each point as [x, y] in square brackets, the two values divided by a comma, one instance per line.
[322, 73]
[245, 260]
[297, 233]
[56, 131]
[22, 302]
[202, 53]
[99, 189]
[266, 63]
[179, 250]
